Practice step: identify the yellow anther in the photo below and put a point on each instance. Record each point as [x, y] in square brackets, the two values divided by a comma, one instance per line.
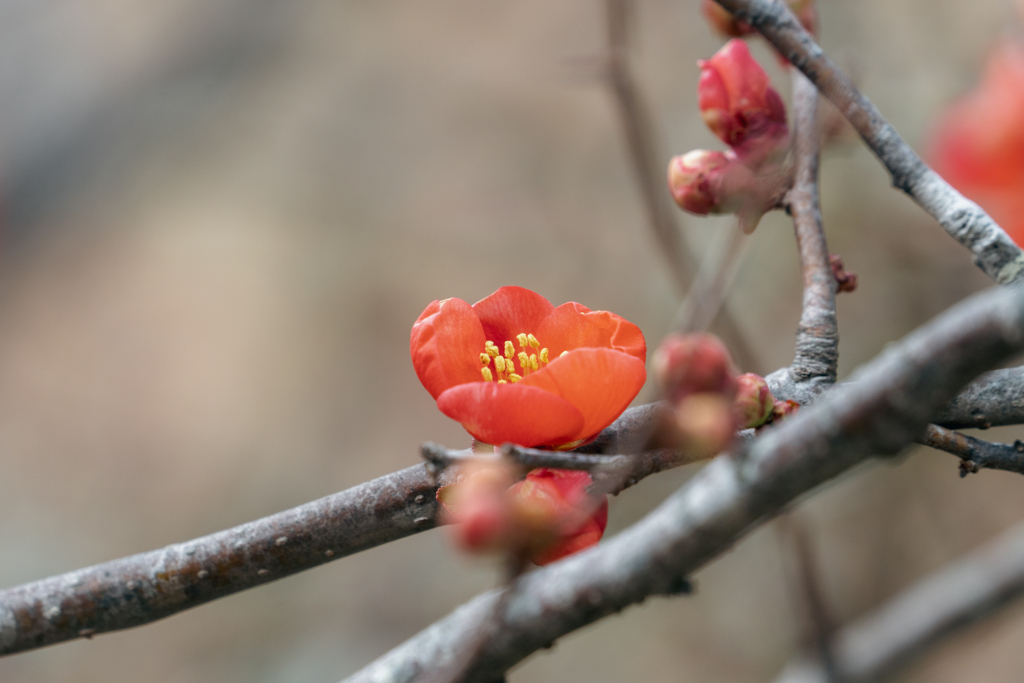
[510, 351]
[533, 362]
[523, 341]
[501, 381]
[514, 378]
[491, 349]
[524, 361]
[562, 353]
[485, 359]
[499, 363]
[544, 355]
[533, 341]
[486, 372]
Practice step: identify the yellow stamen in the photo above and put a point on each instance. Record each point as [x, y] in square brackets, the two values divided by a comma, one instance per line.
[499, 364]
[523, 341]
[513, 377]
[491, 349]
[533, 362]
[486, 372]
[510, 351]
[485, 359]
[562, 353]
[501, 381]
[544, 355]
[533, 341]
[524, 361]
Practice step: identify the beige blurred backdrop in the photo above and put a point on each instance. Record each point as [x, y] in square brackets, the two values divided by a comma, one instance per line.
[221, 218]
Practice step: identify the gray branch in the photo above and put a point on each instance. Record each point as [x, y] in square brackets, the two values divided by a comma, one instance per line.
[944, 603]
[994, 252]
[887, 406]
[976, 454]
[817, 337]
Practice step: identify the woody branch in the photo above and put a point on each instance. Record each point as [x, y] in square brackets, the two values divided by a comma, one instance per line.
[887, 406]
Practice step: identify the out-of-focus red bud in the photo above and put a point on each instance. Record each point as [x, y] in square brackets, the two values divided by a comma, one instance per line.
[556, 513]
[696, 180]
[706, 424]
[723, 21]
[692, 363]
[754, 401]
[845, 280]
[480, 508]
[783, 409]
[739, 105]
[978, 144]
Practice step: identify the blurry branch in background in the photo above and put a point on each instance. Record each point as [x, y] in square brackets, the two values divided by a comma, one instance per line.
[804, 578]
[994, 252]
[638, 127]
[887, 406]
[947, 601]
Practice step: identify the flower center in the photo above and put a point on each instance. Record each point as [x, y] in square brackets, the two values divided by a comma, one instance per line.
[505, 359]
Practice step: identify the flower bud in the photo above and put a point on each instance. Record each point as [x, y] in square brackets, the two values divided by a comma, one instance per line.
[754, 401]
[706, 424]
[479, 507]
[783, 409]
[691, 363]
[845, 280]
[556, 514]
[739, 105]
[696, 180]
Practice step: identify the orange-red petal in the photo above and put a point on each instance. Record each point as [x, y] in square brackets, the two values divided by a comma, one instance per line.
[511, 311]
[560, 495]
[446, 342]
[517, 413]
[587, 535]
[599, 382]
[573, 326]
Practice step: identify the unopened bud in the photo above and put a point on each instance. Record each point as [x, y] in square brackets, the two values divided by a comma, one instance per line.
[706, 424]
[479, 507]
[845, 280]
[783, 409]
[696, 180]
[754, 401]
[556, 514]
[693, 363]
[739, 105]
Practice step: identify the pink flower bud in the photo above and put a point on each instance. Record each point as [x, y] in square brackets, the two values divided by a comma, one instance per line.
[706, 424]
[696, 180]
[692, 363]
[754, 401]
[783, 409]
[845, 280]
[479, 507]
[739, 105]
[558, 516]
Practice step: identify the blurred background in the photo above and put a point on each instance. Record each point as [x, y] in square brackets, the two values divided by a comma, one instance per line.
[221, 217]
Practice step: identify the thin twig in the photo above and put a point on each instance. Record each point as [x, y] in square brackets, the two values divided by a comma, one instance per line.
[711, 286]
[994, 252]
[638, 128]
[976, 454]
[888, 405]
[879, 645]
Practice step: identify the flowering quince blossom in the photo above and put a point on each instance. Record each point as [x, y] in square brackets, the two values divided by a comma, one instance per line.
[978, 144]
[514, 368]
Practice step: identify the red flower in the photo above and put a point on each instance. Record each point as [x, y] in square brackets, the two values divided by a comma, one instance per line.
[978, 145]
[514, 368]
[739, 105]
